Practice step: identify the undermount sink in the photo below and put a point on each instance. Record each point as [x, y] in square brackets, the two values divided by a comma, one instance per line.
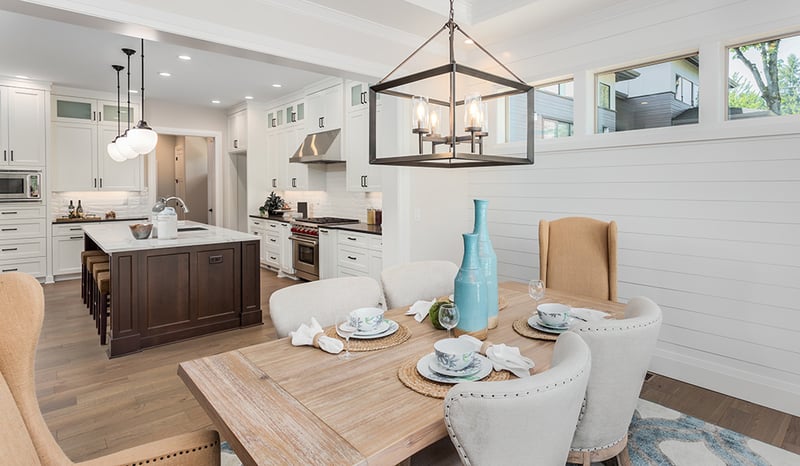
[191, 229]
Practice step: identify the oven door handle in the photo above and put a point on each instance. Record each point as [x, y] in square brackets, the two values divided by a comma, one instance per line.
[308, 242]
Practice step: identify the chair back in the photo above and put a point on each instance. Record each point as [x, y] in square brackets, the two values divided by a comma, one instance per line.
[522, 421]
[404, 284]
[579, 255]
[15, 443]
[21, 316]
[621, 353]
[323, 299]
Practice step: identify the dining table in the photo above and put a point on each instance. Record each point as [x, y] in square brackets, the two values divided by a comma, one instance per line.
[275, 403]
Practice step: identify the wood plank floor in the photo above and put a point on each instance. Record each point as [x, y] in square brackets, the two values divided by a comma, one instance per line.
[95, 406]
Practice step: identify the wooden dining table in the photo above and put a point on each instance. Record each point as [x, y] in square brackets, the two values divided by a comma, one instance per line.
[280, 404]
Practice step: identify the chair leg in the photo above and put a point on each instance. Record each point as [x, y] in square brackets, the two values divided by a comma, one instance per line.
[83, 282]
[623, 458]
[102, 319]
[587, 459]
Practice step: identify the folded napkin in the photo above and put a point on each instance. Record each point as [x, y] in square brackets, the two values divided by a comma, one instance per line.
[420, 310]
[503, 357]
[588, 314]
[312, 335]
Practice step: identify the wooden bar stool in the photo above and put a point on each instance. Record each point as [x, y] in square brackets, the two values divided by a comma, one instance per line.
[103, 297]
[91, 262]
[84, 270]
[96, 269]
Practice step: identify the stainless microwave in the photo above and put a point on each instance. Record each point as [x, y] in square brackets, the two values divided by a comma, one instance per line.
[18, 185]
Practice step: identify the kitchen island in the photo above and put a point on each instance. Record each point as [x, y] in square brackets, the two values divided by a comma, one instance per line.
[165, 290]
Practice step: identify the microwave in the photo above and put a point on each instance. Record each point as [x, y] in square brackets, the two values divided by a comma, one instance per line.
[17, 185]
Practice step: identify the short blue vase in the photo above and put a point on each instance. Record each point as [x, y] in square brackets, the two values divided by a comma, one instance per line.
[488, 260]
[470, 292]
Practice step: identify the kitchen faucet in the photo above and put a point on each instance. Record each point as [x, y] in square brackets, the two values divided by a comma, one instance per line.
[162, 203]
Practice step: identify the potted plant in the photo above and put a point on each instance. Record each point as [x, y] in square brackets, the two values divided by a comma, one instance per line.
[272, 204]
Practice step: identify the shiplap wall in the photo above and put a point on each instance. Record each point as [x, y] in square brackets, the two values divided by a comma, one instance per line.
[710, 230]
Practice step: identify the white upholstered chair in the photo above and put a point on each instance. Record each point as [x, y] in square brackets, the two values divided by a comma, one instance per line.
[323, 299]
[406, 283]
[521, 421]
[621, 352]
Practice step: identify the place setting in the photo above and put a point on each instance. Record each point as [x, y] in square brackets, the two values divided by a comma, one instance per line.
[366, 329]
[462, 359]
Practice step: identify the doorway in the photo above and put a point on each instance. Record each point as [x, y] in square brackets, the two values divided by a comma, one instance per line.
[184, 167]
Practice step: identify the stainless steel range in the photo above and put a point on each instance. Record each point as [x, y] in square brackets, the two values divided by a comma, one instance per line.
[305, 239]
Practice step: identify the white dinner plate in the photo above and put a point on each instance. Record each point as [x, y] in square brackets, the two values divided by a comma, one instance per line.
[393, 327]
[535, 323]
[473, 368]
[382, 327]
[424, 369]
[541, 323]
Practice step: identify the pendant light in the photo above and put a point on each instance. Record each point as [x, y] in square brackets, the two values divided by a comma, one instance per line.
[427, 122]
[123, 145]
[112, 149]
[142, 138]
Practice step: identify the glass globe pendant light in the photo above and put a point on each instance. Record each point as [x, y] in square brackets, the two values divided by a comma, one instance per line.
[142, 138]
[112, 149]
[122, 143]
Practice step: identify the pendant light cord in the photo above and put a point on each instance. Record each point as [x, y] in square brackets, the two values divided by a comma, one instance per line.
[452, 13]
[129, 52]
[142, 52]
[118, 68]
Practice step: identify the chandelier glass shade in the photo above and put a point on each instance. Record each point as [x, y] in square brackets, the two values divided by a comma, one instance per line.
[111, 148]
[435, 98]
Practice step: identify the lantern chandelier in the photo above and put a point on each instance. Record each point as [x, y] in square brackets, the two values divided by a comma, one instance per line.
[426, 113]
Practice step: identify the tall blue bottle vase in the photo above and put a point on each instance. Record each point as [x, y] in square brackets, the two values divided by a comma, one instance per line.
[488, 260]
[470, 292]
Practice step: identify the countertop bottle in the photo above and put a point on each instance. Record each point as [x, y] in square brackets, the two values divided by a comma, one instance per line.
[71, 209]
[79, 210]
[167, 224]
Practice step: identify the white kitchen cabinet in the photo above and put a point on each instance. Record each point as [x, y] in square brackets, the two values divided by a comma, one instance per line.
[302, 176]
[80, 161]
[237, 131]
[324, 109]
[296, 113]
[67, 247]
[273, 238]
[328, 252]
[23, 133]
[287, 253]
[359, 254]
[258, 228]
[69, 109]
[22, 239]
[361, 176]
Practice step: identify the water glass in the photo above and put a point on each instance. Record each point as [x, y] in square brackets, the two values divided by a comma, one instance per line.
[448, 316]
[346, 329]
[536, 290]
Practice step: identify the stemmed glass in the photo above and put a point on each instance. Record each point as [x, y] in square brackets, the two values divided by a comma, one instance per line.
[448, 316]
[536, 290]
[345, 329]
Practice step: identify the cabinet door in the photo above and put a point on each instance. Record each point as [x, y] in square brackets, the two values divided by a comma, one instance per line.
[107, 114]
[74, 109]
[328, 250]
[74, 157]
[361, 176]
[26, 127]
[67, 254]
[287, 253]
[325, 109]
[113, 175]
[237, 131]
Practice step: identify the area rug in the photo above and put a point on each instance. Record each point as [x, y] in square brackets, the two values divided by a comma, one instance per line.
[661, 436]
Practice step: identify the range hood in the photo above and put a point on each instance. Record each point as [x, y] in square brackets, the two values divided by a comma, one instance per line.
[323, 147]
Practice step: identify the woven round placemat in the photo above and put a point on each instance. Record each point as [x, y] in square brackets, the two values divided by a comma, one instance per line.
[402, 334]
[410, 377]
[521, 326]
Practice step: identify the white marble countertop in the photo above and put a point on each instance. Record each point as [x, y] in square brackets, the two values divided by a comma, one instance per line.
[114, 237]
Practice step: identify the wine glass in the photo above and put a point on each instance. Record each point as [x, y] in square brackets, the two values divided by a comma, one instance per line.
[536, 291]
[345, 329]
[448, 316]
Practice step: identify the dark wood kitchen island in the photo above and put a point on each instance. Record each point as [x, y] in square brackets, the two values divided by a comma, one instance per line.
[205, 281]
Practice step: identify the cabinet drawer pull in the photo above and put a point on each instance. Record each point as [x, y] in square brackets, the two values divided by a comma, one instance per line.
[9, 229]
[352, 258]
[273, 240]
[273, 258]
[76, 229]
[8, 249]
[10, 270]
[76, 237]
[9, 213]
[352, 239]
[215, 259]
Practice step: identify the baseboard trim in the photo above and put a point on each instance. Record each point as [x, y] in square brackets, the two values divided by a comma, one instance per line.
[769, 392]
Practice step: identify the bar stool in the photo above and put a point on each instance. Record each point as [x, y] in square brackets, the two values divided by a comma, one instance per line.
[84, 270]
[96, 269]
[91, 262]
[103, 297]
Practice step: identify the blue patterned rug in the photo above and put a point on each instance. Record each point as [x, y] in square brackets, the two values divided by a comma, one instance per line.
[661, 436]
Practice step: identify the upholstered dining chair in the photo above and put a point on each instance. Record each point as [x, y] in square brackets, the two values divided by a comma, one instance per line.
[579, 255]
[26, 438]
[404, 284]
[521, 421]
[621, 352]
[323, 299]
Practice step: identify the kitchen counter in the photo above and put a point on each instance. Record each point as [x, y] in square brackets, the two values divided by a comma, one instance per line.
[358, 227]
[114, 237]
[275, 218]
[62, 220]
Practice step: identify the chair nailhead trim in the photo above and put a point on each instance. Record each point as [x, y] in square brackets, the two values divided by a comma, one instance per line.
[177, 453]
[602, 448]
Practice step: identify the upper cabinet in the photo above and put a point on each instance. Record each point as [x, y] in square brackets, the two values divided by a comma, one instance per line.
[296, 113]
[237, 131]
[68, 109]
[361, 176]
[324, 109]
[23, 128]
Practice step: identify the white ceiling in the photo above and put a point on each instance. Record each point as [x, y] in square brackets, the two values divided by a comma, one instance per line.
[76, 50]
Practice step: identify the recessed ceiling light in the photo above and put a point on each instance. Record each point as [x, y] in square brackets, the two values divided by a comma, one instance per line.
[277, 85]
[185, 57]
[133, 91]
[215, 101]
[248, 97]
[469, 41]
[164, 74]
[19, 76]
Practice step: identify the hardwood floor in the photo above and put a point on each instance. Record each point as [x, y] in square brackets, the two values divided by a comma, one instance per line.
[95, 406]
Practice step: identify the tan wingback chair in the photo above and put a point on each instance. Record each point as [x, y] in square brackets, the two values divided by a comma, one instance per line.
[406, 283]
[26, 438]
[579, 255]
[521, 421]
[621, 352]
[323, 299]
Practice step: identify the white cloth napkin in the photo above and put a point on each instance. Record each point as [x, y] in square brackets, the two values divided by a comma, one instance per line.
[304, 336]
[504, 357]
[420, 310]
[588, 314]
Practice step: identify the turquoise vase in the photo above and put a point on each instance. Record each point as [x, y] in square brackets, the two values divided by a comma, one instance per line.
[470, 292]
[488, 260]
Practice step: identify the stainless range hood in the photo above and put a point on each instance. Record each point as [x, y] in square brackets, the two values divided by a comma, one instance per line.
[323, 147]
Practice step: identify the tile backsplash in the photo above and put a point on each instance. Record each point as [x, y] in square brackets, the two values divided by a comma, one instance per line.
[125, 204]
[336, 201]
